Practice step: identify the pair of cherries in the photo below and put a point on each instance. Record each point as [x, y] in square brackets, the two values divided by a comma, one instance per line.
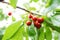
[36, 21]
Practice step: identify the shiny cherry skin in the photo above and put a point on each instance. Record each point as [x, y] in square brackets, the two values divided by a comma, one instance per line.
[30, 16]
[34, 18]
[28, 23]
[40, 20]
[37, 24]
[9, 13]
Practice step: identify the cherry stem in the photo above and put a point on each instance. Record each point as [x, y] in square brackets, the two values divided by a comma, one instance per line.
[23, 9]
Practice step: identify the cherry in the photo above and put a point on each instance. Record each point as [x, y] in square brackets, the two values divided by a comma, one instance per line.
[40, 20]
[37, 24]
[34, 18]
[9, 13]
[28, 23]
[1, 0]
[30, 16]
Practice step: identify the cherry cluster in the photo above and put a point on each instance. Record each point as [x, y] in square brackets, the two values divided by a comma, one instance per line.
[36, 21]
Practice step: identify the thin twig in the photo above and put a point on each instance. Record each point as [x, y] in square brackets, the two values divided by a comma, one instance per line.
[22, 9]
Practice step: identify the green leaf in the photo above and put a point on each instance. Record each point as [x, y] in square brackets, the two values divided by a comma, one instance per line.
[48, 34]
[32, 8]
[51, 7]
[1, 37]
[1, 11]
[1, 16]
[13, 3]
[41, 36]
[13, 18]
[35, 0]
[56, 28]
[31, 30]
[56, 35]
[58, 2]
[56, 11]
[6, 17]
[19, 34]
[55, 20]
[49, 3]
[25, 34]
[11, 30]
[43, 0]
[30, 1]
[26, 5]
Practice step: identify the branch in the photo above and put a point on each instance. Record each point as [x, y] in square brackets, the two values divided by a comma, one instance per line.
[23, 9]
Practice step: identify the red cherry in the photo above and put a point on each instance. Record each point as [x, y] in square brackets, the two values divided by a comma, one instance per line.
[30, 16]
[40, 20]
[1, 0]
[37, 24]
[9, 13]
[28, 23]
[34, 18]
